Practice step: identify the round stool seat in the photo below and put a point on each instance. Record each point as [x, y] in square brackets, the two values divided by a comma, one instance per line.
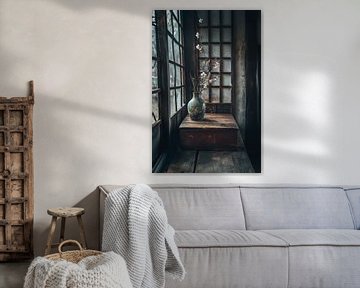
[66, 211]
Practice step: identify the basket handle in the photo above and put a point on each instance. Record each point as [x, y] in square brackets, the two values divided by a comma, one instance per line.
[69, 241]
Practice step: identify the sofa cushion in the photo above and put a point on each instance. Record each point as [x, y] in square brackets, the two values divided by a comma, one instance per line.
[324, 266]
[296, 208]
[226, 238]
[317, 237]
[220, 267]
[191, 208]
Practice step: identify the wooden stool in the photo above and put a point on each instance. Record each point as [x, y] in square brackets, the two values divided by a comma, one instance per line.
[64, 213]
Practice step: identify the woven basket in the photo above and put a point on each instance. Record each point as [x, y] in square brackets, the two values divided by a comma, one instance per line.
[72, 256]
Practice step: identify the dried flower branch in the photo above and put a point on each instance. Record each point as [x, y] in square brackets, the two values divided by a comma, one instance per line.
[202, 81]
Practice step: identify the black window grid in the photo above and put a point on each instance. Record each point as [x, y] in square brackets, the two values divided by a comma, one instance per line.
[209, 27]
[156, 90]
[176, 43]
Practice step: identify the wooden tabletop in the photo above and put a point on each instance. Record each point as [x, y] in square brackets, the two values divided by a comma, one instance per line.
[66, 211]
[211, 121]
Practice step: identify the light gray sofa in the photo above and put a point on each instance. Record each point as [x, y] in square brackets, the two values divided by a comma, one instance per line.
[264, 236]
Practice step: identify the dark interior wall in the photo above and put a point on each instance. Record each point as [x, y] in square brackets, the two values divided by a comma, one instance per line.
[246, 79]
[238, 63]
[253, 83]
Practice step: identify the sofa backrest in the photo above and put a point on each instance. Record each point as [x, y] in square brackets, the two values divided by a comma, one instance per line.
[203, 208]
[199, 207]
[296, 208]
[354, 198]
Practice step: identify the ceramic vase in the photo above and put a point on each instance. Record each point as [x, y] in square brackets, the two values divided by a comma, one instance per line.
[196, 107]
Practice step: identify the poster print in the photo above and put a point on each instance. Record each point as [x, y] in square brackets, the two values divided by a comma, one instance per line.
[206, 91]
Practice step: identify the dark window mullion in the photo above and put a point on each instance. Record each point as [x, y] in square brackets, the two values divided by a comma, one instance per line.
[176, 63]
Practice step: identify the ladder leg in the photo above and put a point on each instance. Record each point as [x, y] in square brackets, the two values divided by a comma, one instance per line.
[51, 235]
[82, 232]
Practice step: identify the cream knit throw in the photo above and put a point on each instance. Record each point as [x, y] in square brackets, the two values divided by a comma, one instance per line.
[136, 227]
[103, 271]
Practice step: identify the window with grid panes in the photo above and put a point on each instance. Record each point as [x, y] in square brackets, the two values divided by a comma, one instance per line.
[155, 73]
[176, 60]
[216, 38]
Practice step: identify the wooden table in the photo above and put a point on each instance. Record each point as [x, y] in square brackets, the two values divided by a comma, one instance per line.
[216, 132]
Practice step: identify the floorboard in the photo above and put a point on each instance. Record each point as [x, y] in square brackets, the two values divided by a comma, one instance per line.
[211, 162]
[183, 162]
[223, 162]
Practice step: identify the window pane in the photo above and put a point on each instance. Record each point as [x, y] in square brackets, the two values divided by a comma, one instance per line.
[226, 17]
[205, 95]
[216, 69]
[226, 80]
[155, 107]
[226, 65]
[182, 76]
[215, 34]
[203, 64]
[178, 76]
[177, 52]
[215, 50]
[226, 50]
[215, 80]
[181, 35]
[215, 95]
[178, 98]
[176, 29]
[226, 95]
[153, 41]
[204, 35]
[205, 51]
[203, 17]
[172, 102]
[170, 48]
[169, 21]
[172, 74]
[154, 75]
[226, 34]
[181, 55]
[214, 20]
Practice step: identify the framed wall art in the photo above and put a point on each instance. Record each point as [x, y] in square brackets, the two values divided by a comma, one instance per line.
[206, 91]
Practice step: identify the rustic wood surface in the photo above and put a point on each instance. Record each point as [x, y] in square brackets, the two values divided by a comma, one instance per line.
[16, 177]
[223, 162]
[186, 161]
[183, 162]
[211, 121]
[66, 211]
[215, 132]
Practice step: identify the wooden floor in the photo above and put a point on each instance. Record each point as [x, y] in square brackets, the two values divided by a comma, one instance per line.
[199, 161]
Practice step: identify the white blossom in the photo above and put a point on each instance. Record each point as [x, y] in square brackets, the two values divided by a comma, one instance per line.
[197, 35]
[201, 20]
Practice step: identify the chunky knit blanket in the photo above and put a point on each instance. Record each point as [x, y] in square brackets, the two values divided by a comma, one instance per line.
[102, 271]
[136, 227]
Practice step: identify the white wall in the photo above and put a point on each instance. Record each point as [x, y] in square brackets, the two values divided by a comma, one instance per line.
[90, 61]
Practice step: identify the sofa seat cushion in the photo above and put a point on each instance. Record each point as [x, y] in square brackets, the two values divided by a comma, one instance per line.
[317, 237]
[226, 238]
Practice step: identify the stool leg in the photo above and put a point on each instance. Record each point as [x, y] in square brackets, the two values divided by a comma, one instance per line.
[62, 230]
[82, 232]
[51, 235]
